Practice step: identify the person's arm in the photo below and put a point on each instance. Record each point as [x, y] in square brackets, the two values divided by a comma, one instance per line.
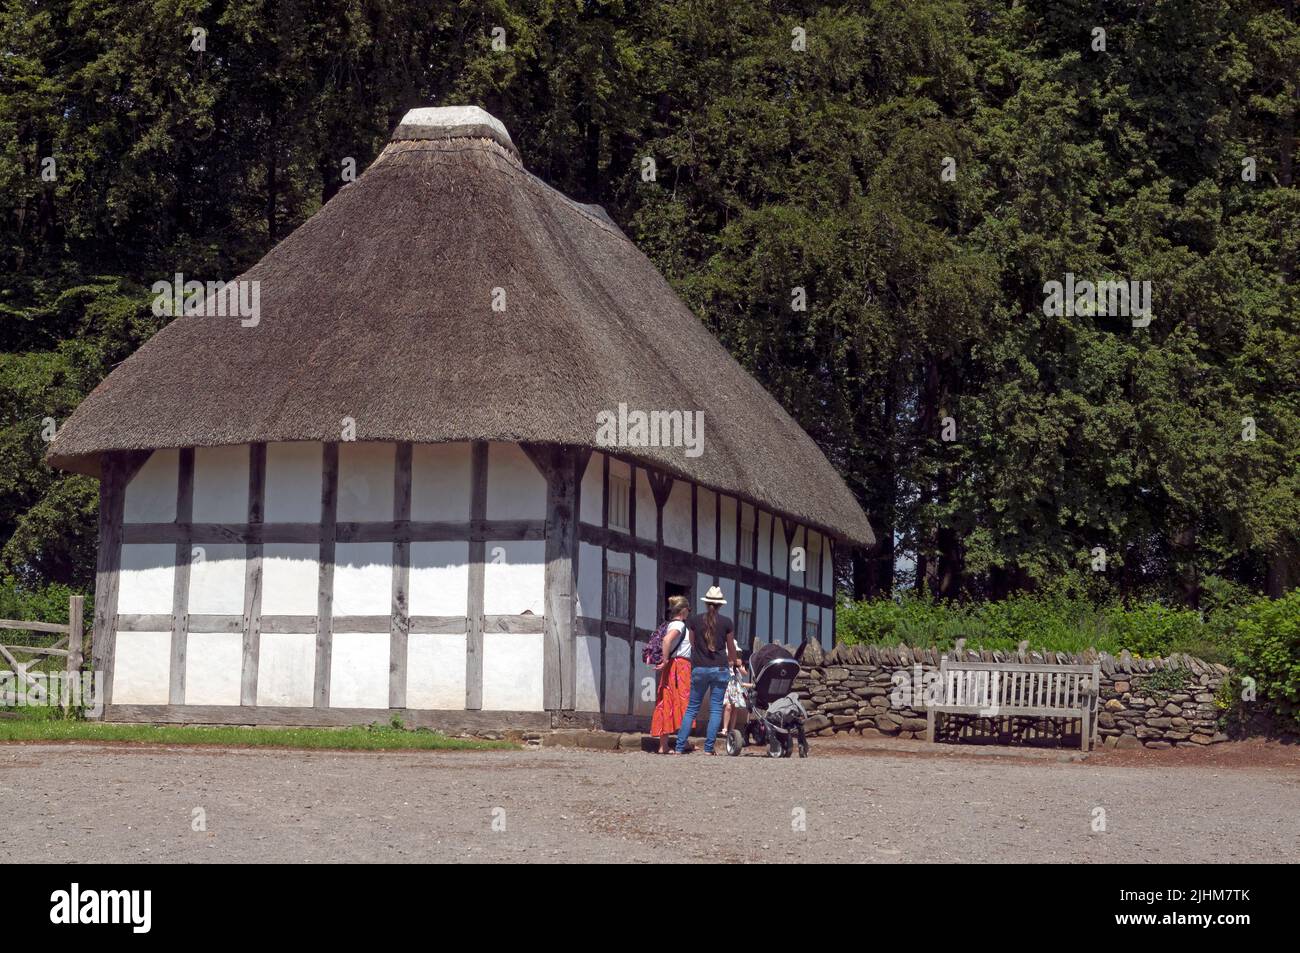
[733, 657]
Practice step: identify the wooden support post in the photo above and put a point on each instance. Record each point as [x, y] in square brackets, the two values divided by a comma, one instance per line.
[477, 555]
[400, 619]
[559, 680]
[181, 579]
[329, 514]
[75, 658]
[253, 576]
[112, 492]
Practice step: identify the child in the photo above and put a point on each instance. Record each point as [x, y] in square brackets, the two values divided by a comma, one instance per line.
[734, 698]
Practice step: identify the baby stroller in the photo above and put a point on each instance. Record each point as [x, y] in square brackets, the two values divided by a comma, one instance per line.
[776, 716]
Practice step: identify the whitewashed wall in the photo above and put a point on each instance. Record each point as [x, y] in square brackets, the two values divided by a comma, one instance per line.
[439, 578]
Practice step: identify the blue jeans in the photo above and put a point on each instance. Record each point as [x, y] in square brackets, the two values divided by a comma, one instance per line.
[714, 681]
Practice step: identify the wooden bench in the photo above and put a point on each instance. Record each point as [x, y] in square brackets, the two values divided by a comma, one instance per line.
[1012, 689]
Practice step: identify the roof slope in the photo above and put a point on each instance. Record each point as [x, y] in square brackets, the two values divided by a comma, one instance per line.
[379, 308]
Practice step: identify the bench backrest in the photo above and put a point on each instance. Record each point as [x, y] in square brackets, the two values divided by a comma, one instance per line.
[1013, 685]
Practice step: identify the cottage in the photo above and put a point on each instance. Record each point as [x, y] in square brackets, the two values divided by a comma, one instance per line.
[389, 495]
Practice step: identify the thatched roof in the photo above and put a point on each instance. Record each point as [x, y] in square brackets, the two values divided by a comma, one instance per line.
[379, 308]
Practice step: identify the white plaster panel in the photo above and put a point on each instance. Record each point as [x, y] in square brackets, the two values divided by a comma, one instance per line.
[513, 577]
[616, 559]
[828, 628]
[592, 502]
[142, 668]
[293, 482]
[512, 672]
[765, 542]
[643, 684]
[677, 517]
[214, 667]
[286, 669]
[702, 584]
[800, 542]
[587, 665]
[363, 579]
[359, 670]
[647, 592]
[217, 579]
[151, 494]
[828, 568]
[366, 477]
[221, 484]
[777, 633]
[647, 513]
[617, 659]
[762, 616]
[148, 575]
[813, 577]
[746, 528]
[706, 507]
[435, 671]
[516, 489]
[728, 517]
[440, 482]
[589, 581]
[439, 583]
[728, 587]
[780, 552]
[290, 578]
[794, 622]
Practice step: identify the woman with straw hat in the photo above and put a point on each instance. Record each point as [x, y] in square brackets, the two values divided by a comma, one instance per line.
[713, 652]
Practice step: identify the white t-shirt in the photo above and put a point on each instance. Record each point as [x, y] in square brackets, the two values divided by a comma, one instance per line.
[683, 647]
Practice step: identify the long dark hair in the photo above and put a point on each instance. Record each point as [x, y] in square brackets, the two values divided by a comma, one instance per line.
[710, 620]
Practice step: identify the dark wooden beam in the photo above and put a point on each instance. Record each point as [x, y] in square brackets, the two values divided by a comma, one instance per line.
[329, 511]
[474, 638]
[253, 577]
[181, 577]
[400, 621]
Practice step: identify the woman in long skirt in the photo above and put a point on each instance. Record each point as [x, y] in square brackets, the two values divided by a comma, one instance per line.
[674, 674]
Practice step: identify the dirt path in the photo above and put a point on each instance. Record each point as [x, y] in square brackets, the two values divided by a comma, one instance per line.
[68, 803]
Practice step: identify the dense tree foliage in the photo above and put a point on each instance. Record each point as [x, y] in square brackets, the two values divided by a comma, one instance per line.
[919, 169]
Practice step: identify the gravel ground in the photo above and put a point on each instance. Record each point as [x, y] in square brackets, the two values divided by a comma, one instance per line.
[76, 802]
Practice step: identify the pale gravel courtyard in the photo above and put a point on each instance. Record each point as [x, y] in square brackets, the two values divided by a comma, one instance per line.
[85, 803]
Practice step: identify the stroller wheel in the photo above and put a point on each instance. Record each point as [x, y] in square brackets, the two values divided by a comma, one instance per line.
[774, 747]
[735, 742]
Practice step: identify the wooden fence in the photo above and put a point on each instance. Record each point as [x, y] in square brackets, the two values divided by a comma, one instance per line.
[69, 647]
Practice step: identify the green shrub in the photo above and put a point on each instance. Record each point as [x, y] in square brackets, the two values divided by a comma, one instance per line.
[1266, 643]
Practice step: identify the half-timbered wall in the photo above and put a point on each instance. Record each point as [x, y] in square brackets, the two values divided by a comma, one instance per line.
[691, 536]
[308, 576]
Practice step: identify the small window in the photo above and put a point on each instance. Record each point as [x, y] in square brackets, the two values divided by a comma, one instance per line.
[620, 500]
[811, 630]
[744, 620]
[616, 593]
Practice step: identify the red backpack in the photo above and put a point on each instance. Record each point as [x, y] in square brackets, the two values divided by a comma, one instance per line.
[653, 653]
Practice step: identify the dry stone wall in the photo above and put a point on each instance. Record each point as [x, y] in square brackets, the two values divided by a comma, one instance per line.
[1156, 703]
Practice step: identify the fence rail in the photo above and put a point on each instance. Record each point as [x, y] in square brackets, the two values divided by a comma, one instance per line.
[70, 647]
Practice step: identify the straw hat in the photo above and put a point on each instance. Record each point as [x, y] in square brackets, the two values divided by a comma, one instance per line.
[714, 596]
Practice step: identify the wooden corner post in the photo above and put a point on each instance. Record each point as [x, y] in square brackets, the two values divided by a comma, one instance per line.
[559, 678]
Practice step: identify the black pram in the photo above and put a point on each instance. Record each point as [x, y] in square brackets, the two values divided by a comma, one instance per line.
[776, 716]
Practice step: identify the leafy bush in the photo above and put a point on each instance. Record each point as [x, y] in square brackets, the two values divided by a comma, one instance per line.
[1266, 642]
[1057, 622]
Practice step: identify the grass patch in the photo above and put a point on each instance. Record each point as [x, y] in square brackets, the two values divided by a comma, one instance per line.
[361, 738]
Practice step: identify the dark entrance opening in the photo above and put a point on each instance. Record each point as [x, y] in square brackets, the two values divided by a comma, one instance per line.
[674, 589]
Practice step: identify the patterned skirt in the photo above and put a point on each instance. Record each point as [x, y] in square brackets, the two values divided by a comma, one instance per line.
[673, 695]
